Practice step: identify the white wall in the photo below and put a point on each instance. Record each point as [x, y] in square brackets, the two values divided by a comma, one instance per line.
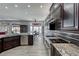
[8, 24]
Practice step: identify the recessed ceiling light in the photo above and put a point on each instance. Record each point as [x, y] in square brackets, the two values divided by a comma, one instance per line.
[41, 6]
[6, 7]
[15, 5]
[28, 6]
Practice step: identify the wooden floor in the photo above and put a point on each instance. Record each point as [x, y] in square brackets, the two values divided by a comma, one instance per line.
[38, 49]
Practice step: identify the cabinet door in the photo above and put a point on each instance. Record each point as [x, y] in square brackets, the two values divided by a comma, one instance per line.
[16, 41]
[10, 42]
[54, 51]
[57, 53]
[0, 45]
[7, 45]
[69, 16]
[30, 39]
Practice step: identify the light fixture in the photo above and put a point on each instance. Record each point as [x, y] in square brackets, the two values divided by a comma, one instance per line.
[41, 6]
[15, 5]
[6, 7]
[28, 6]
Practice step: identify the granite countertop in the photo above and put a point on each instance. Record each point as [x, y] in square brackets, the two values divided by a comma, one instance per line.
[9, 35]
[67, 49]
[26, 34]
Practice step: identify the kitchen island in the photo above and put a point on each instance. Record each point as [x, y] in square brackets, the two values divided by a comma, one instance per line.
[9, 41]
[13, 40]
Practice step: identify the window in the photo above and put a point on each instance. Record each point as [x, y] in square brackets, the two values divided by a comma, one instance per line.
[15, 28]
[3, 27]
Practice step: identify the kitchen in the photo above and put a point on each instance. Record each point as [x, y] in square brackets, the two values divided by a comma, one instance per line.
[61, 29]
[48, 29]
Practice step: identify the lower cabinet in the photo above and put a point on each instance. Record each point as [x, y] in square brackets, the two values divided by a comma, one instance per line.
[54, 51]
[0, 45]
[11, 42]
[30, 39]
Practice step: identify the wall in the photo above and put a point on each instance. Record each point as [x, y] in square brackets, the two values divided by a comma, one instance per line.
[6, 26]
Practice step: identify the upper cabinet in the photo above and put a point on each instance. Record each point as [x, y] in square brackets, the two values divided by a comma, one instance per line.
[55, 11]
[54, 17]
[65, 16]
[69, 13]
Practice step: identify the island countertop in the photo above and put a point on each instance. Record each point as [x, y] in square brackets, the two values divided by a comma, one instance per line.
[10, 35]
[67, 49]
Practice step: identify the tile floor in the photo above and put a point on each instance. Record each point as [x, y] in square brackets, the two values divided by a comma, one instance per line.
[38, 49]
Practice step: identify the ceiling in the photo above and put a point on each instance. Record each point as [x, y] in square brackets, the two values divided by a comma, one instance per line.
[24, 11]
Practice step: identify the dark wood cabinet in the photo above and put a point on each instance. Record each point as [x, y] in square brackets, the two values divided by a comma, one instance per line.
[11, 42]
[0, 45]
[30, 39]
[54, 51]
[69, 16]
[54, 17]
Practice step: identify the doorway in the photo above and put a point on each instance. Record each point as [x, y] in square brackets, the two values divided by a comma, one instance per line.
[37, 29]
